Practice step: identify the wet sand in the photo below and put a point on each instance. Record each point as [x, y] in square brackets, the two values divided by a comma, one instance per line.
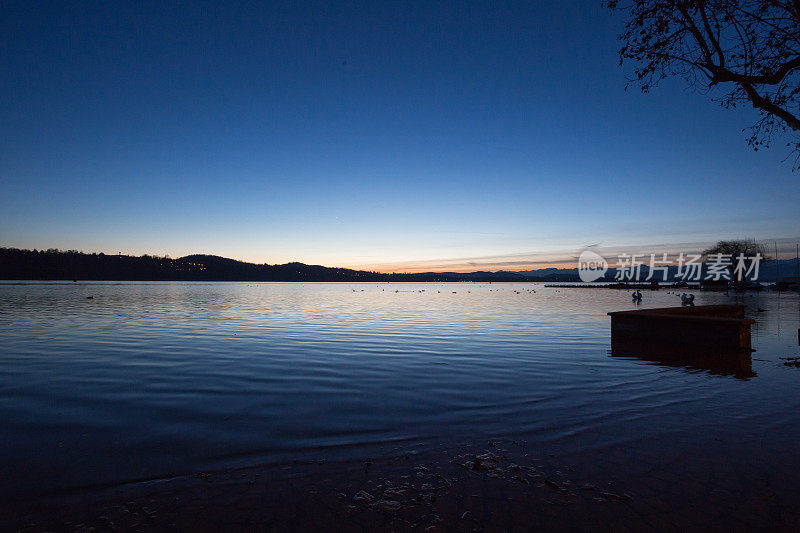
[487, 486]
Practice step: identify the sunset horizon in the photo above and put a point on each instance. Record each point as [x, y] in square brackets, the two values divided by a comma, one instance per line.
[559, 258]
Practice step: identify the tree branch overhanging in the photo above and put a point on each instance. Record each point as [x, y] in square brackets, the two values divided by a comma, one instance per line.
[748, 49]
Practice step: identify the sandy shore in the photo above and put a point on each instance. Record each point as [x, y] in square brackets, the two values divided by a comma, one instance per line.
[487, 486]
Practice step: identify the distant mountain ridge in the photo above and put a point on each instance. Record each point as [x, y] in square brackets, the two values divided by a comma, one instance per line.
[17, 264]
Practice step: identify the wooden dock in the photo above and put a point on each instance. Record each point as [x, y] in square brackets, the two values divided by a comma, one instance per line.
[705, 328]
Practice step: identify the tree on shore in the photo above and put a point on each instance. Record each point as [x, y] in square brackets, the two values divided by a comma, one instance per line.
[747, 249]
[739, 51]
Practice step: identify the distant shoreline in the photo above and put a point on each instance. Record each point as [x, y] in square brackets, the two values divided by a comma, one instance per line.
[56, 265]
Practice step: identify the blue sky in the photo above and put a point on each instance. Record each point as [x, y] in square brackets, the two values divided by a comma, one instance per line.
[378, 134]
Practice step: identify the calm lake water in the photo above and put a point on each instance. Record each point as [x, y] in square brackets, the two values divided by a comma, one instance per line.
[149, 380]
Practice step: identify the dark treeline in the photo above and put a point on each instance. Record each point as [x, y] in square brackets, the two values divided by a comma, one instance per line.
[16, 264]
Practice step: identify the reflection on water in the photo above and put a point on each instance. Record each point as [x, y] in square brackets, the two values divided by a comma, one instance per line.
[738, 364]
[152, 379]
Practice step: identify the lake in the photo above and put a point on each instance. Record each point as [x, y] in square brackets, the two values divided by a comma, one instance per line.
[154, 380]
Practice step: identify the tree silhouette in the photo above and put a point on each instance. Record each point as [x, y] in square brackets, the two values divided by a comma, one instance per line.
[741, 51]
[747, 248]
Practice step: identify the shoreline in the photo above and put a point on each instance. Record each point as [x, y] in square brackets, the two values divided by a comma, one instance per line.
[484, 486]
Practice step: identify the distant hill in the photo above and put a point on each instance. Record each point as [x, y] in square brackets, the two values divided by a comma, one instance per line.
[16, 264]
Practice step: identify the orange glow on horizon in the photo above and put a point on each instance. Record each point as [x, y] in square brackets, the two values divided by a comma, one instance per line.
[416, 268]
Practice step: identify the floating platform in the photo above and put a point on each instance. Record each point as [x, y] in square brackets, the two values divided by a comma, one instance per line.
[708, 329]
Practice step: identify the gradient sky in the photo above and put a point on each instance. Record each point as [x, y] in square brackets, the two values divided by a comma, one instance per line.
[370, 134]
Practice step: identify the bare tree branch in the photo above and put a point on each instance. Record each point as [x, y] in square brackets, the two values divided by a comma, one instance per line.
[750, 49]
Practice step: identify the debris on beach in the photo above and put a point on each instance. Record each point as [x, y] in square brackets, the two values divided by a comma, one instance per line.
[387, 505]
[362, 496]
[423, 499]
[460, 490]
[613, 497]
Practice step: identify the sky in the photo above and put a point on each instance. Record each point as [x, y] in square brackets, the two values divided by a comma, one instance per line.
[395, 136]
